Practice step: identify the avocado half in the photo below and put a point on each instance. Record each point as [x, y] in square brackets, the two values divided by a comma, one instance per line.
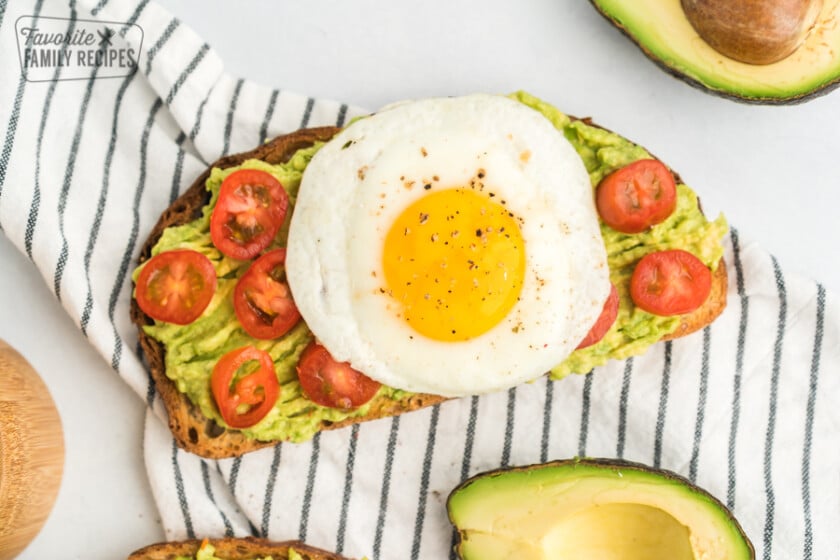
[592, 508]
[660, 28]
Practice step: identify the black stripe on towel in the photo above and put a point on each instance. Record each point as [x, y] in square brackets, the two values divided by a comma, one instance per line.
[424, 483]
[100, 205]
[470, 439]
[739, 368]
[35, 205]
[182, 495]
[254, 531]
[133, 19]
[663, 405]
[2, 11]
[310, 486]
[465, 463]
[11, 126]
[200, 113]
[701, 406]
[509, 425]
[196, 60]
[269, 490]
[132, 238]
[348, 489]
[386, 487]
[98, 7]
[584, 414]
[546, 427]
[269, 112]
[342, 115]
[307, 113]
[234, 474]
[769, 518]
[809, 425]
[164, 37]
[65, 186]
[205, 476]
[622, 408]
[175, 188]
[231, 110]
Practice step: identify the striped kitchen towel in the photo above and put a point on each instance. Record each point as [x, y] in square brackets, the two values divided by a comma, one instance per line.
[92, 154]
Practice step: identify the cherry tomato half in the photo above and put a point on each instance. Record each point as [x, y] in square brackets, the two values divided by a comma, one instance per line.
[244, 400]
[176, 286]
[262, 298]
[670, 283]
[604, 322]
[250, 210]
[637, 196]
[331, 383]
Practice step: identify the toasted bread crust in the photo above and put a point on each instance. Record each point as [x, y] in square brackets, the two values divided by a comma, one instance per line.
[247, 548]
[203, 436]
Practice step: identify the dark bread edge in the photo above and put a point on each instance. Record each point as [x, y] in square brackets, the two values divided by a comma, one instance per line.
[246, 548]
[203, 436]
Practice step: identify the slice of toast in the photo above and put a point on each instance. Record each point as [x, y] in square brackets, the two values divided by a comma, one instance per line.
[192, 430]
[203, 436]
[247, 548]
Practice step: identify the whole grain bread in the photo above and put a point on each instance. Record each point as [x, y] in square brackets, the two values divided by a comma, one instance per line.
[203, 436]
[247, 548]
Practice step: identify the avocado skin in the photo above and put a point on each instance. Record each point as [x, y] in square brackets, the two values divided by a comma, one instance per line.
[602, 464]
[794, 99]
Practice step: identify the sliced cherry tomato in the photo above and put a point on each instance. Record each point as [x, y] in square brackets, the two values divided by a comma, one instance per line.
[250, 210]
[244, 398]
[331, 383]
[262, 298]
[604, 322]
[637, 196]
[670, 283]
[176, 286]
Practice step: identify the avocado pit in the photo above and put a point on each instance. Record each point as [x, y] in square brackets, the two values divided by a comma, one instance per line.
[753, 31]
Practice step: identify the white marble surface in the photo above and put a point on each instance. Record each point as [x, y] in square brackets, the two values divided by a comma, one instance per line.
[772, 170]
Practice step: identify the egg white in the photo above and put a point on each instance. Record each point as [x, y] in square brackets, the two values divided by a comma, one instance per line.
[359, 182]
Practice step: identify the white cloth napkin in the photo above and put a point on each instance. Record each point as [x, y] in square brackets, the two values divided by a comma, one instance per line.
[746, 408]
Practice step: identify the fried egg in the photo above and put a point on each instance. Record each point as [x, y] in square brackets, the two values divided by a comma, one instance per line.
[448, 246]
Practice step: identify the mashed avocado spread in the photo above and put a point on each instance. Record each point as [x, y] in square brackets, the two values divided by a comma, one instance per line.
[208, 552]
[192, 350]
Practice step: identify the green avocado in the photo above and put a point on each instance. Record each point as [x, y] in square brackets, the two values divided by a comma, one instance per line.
[663, 32]
[193, 350]
[605, 509]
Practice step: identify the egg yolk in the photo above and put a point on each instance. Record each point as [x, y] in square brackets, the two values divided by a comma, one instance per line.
[455, 261]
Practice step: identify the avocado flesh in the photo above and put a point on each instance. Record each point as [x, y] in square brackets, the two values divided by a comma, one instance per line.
[589, 509]
[663, 32]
